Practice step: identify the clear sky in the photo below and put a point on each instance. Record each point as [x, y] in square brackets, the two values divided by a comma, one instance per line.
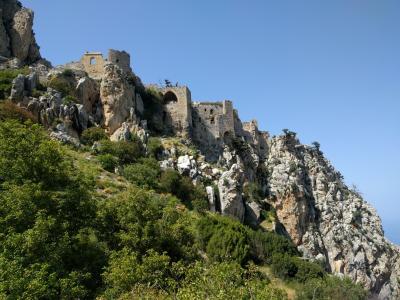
[328, 70]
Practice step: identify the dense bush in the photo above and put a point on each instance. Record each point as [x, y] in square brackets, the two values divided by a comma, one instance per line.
[154, 147]
[182, 187]
[108, 162]
[292, 267]
[93, 134]
[126, 152]
[64, 84]
[47, 247]
[224, 239]
[263, 245]
[9, 110]
[226, 281]
[144, 174]
[332, 287]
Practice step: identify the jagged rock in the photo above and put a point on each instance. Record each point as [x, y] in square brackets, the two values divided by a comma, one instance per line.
[123, 133]
[61, 134]
[18, 88]
[187, 166]
[211, 198]
[230, 194]
[22, 43]
[167, 164]
[87, 91]
[117, 97]
[324, 217]
[252, 213]
[83, 117]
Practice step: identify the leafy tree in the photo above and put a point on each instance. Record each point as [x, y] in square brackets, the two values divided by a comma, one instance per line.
[47, 247]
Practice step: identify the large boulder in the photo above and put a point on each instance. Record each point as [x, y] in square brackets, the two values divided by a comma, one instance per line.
[117, 97]
[17, 40]
[230, 194]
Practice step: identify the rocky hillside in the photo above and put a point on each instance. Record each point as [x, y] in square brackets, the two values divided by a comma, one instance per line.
[269, 183]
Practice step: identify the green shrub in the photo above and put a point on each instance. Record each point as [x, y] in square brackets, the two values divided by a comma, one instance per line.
[126, 152]
[68, 100]
[64, 84]
[307, 270]
[331, 287]
[154, 147]
[182, 187]
[224, 239]
[283, 266]
[253, 192]
[93, 134]
[144, 174]
[68, 73]
[264, 245]
[108, 162]
[226, 281]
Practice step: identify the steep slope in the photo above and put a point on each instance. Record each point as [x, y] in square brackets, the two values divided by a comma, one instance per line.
[328, 220]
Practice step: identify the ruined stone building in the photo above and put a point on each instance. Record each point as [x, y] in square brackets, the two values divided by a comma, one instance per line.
[210, 125]
[93, 62]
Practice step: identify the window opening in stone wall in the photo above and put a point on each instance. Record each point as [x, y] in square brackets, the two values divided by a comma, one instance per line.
[170, 97]
[92, 60]
[211, 111]
[212, 120]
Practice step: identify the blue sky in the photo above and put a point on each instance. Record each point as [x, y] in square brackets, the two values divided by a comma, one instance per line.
[328, 70]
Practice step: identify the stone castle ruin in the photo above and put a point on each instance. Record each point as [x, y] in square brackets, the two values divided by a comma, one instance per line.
[93, 62]
[209, 124]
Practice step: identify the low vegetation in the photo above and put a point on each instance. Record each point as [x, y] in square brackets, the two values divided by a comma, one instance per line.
[69, 229]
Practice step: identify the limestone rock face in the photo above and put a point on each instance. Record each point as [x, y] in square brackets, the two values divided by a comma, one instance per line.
[17, 39]
[88, 92]
[230, 193]
[117, 97]
[4, 39]
[327, 219]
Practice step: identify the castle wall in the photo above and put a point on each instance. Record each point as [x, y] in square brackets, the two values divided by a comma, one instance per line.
[259, 139]
[93, 63]
[177, 112]
[121, 59]
[212, 122]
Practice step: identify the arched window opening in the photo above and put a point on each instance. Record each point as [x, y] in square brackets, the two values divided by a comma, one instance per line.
[212, 120]
[211, 111]
[170, 97]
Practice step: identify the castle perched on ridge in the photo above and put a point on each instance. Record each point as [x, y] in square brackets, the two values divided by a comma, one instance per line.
[210, 124]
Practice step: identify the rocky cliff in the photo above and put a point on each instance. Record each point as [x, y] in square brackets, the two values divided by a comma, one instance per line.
[17, 40]
[306, 197]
